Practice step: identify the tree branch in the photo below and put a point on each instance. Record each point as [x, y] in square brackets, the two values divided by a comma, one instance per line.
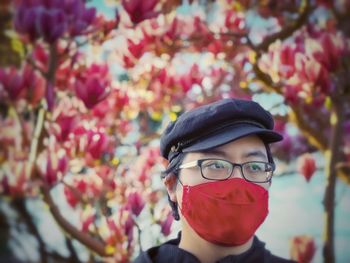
[333, 156]
[266, 79]
[288, 30]
[93, 244]
[314, 135]
[73, 254]
[19, 205]
[35, 142]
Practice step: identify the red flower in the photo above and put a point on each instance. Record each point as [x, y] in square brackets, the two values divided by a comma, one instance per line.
[165, 225]
[81, 185]
[51, 19]
[71, 198]
[136, 49]
[93, 85]
[139, 10]
[128, 62]
[234, 21]
[15, 82]
[307, 166]
[55, 167]
[136, 203]
[290, 93]
[302, 249]
[193, 77]
[332, 48]
[97, 144]
[66, 125]
[287, 58]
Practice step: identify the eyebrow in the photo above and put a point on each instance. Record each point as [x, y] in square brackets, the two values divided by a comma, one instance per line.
[215, 152]
[254, 153]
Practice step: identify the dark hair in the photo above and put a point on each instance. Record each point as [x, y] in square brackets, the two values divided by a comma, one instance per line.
[174, 169]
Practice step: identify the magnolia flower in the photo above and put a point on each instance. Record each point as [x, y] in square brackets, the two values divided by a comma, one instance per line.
[235, 21]
[136, 203]
[302, 249]
[72, 199]
[55, 168]
[140, 10]
[97, 144]
[51, 20]
[92, 86]
[306, 166]
[15, 82]
[66, 125]
[166, 224]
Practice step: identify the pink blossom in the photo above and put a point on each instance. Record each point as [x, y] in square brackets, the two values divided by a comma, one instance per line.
[332, 49]
[234, 21]
[71, 197]
[81, 186]
[166, 224]
[306, 166]
[136, 49]
[97, 144]
[139, 10]
[14, 82]
[92, 86]
[302, 248]
[193, 77]
[136, 203]
[52, 19]
[55, 167]
[66, 125]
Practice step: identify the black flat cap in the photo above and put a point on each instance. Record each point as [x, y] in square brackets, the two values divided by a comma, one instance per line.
[215, 124]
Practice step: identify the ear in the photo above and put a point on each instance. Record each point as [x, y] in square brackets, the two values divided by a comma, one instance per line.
[170, 182]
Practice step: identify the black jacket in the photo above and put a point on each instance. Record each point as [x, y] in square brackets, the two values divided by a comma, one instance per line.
[169, 252]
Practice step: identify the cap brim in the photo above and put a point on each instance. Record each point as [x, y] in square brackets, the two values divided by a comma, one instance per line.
[232, 133]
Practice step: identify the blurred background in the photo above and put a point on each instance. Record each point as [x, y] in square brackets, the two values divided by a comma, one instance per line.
[87, 87]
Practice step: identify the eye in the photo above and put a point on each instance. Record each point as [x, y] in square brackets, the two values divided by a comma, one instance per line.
[214, 165]
[255, 167]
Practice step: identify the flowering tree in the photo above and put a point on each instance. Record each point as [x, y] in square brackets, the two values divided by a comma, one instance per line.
[71, 121]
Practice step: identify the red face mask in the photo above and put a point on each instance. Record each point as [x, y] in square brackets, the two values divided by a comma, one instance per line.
[226, 212]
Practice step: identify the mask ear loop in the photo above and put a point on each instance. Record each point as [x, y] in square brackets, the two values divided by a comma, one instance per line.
[174, 205]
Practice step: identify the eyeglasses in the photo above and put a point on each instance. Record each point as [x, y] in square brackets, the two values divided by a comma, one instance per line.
[219, 170]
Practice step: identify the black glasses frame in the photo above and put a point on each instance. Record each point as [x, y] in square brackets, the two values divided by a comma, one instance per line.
[198, 163]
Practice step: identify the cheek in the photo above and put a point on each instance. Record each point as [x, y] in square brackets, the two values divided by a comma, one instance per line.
[179, 194]
[191, 178]
[265, 185]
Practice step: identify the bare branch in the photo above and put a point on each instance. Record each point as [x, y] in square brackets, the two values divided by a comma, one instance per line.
[19, 205]
[35, 142]
[266, 79]
[314, 135]
[288, 30]
[90, 242]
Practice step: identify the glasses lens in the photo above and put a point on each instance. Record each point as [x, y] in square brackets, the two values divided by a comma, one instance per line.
[216, 169]
[257, 171]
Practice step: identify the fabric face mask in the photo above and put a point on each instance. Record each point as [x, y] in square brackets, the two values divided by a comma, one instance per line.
[226, 212]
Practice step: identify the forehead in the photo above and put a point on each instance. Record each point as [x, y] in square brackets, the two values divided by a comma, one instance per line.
[249, 146]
